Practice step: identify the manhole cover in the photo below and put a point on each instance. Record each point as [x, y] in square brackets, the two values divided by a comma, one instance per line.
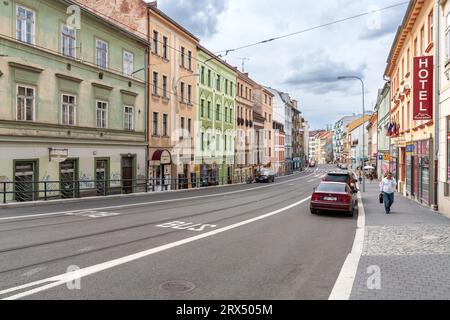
[177, 286]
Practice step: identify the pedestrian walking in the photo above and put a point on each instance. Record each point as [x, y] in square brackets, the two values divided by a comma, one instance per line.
[387, 188]
[371, 177]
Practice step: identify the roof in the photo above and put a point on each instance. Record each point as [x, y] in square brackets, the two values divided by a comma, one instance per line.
[217, 58]
[355, 124]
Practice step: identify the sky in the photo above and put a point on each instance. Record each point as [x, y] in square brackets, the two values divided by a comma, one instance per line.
[305, 65]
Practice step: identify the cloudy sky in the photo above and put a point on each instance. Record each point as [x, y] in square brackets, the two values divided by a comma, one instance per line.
[305, 65]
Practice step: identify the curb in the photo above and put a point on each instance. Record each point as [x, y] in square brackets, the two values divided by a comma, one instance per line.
[344, 284]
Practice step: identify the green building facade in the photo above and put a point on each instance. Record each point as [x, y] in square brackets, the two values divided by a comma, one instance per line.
[72, 102]
[215, 120]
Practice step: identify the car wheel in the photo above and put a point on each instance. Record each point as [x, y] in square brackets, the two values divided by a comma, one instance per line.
[313, 211]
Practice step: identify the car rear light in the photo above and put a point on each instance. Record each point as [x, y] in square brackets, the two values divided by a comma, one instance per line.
[346, 198]
[315, 197]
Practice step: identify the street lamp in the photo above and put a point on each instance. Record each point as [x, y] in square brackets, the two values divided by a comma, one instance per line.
[364, 130]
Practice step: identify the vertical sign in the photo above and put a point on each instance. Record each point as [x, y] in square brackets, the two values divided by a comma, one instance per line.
[423, 88]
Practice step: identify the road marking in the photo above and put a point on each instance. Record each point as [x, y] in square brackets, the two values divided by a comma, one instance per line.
[61, 279]
[344, 284]
[180, 225]
[152, 202]
[312, 180]
[92, 214]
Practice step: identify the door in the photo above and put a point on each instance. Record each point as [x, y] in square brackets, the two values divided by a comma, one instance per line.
[100, 176]
[127, 175]
[67, 173]
[24, 178]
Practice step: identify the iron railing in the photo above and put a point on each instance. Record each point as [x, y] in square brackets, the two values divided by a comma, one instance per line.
[24, 191]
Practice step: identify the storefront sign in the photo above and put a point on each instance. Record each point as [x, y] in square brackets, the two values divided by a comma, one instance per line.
[58, 155]
[165, 157]
[423, 88]
[410, 148]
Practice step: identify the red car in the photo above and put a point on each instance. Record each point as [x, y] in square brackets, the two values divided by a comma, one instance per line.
[334, 196]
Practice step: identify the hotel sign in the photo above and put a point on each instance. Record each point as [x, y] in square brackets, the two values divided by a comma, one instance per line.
[423, 88]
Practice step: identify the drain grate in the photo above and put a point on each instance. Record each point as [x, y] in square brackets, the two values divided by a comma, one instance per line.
[177, 286]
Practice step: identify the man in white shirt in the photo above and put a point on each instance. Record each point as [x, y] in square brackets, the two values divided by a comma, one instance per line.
[388, 187]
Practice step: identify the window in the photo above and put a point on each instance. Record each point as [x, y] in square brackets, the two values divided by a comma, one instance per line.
[25, 25]
[408, 63]
[164, 86]
[422, 40]
[209, 109]
[164, 47]
[202, 108]
[189, 94]
[182, 91]
[226, 86]
[68, 41]
[128, 63]
[203, 141]
[155, 41]
[189, 60]
[226, 114]
[231, 88]
[102, 114]
[202, 75]
[218, 112]
[430, 26]
[25, 103]
[190, 126]
[101, 53]
[217, 142]
[165, 125]
[128, 118]
[416, 53]
[209, 78]
[155, 123]
[218, 83]
[155, 83]
[225, 142]
[183, 53]
[68, 110]
[182, 126]
[447, 37]
[231, 115]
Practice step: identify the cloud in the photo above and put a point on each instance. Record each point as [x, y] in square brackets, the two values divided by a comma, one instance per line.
[199, 16]
[318, 73]
[382, 23]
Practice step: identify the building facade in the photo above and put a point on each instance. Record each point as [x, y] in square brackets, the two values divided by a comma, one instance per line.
[372, 134]
[412, 141]
[338, 133]
[278, 163]
[357, 138]
[74, 110]
[172, 102]
[265, 137]
[215, 120]
[383, 109]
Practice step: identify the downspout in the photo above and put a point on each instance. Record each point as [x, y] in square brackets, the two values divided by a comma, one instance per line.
[437, 106]
[146, 113]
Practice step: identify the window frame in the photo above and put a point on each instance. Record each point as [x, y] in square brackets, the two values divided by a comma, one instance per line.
[33, 35]
[155, 39]
[74, 109]
[17, 100]
[132, 117]
[97, 40]
[165, 125]
[155, 128]
[124, 53]
[97, 101]
[74, 56]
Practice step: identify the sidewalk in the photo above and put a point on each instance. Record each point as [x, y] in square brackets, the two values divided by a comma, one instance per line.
[410, 247]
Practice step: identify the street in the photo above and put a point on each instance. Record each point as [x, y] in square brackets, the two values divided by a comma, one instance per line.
[255, 241]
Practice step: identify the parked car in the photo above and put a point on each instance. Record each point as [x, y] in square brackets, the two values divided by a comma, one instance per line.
[343, 177]
[265, 175]
[334, 196]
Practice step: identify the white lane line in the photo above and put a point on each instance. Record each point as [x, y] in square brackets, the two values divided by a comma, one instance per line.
[72, 276]
[312, 180]
[344, 284]
[150, 203]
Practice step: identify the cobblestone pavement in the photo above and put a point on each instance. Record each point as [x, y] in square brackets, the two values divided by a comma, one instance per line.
[406, 255]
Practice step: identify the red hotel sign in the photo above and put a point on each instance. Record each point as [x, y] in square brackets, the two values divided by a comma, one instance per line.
[423, 88]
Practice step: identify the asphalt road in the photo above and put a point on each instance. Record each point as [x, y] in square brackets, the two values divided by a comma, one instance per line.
[254, 241]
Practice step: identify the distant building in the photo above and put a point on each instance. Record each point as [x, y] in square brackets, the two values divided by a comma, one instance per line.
[338, 132]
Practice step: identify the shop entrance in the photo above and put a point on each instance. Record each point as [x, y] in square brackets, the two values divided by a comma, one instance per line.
[24, 177]
[67, 174]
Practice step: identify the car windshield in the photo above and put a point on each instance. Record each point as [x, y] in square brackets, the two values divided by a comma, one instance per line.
[337, 177]
[331, 187]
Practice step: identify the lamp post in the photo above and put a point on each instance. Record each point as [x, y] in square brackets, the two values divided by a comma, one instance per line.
[364, 132]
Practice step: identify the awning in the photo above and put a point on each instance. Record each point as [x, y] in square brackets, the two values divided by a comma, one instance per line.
[161, 157]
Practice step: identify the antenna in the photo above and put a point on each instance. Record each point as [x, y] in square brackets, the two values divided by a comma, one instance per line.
[243, 63]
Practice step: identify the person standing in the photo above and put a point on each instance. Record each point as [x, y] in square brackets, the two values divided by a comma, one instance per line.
[387, 187]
